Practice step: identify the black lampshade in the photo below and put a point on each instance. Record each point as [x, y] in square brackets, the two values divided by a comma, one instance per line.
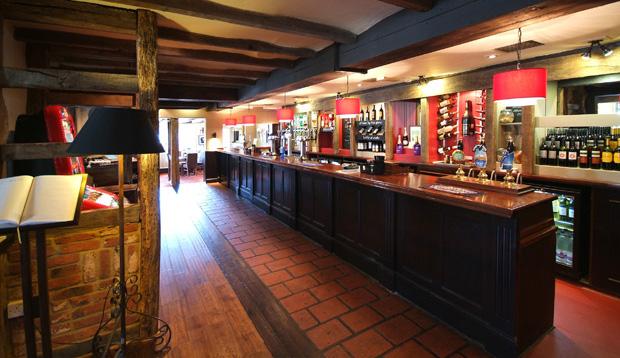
[116, 131]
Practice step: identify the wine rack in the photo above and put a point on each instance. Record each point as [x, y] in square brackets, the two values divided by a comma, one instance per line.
[370, 135]
[447, 123]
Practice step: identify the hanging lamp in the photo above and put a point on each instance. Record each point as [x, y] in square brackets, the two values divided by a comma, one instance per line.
[285, 115]
[347, 107]
[520, 87]
[230, 122]
[248, 119]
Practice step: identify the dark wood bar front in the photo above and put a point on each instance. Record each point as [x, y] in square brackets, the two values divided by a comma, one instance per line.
[483, 264]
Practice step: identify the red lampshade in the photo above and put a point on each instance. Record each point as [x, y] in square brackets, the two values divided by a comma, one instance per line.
[523, 86]
[348, 106]
[229, 122]
[248, 120]
[285, 114]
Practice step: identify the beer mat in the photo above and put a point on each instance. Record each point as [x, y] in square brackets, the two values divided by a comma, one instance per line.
[452, 189]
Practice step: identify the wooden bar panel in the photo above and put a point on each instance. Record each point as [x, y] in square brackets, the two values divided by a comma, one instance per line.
[283, 197]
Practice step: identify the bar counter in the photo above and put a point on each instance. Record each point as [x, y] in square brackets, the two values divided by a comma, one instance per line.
[483, 264]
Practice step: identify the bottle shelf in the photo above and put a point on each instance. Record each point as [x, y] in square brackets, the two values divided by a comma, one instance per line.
[511, 124]
[594, 175]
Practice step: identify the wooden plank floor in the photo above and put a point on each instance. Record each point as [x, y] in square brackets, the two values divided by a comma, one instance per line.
[197, 301]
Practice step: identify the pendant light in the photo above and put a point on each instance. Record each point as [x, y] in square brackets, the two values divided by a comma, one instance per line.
[248, 119]
[285, 115]
[520, 87]
[230, 122]
[347, 107]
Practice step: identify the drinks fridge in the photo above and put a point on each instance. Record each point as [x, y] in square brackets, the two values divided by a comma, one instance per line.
[570, 249]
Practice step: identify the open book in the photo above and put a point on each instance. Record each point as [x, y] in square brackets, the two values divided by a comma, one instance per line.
[40, 202]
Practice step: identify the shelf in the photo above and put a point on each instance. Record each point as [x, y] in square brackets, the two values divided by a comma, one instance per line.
[511, 124]
[593, 175]
[579, 120]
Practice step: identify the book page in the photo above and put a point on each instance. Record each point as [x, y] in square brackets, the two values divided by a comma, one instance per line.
[13, 195]
[53, 199]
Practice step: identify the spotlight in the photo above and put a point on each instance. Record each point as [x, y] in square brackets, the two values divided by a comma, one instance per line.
[421, 80]
[492, 56]
[606, 50]
[588, 54]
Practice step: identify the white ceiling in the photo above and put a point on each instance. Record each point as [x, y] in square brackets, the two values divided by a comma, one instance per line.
[352, 15]
[561, 34]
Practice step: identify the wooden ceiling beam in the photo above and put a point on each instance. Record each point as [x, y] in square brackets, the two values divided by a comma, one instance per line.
[196, 93]
[215, 11]
[189, 78]
[415, 5]
[41, 78]
[99, 47]
[70, 13]
[166, 33]
[167, 104]
[171, 67]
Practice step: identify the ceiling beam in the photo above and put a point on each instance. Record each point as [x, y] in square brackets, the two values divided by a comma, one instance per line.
[70, 13]
[226, 57]
[171, 67]
[167, 104]
[205, 80]
[166, 33]
[100, 47]
[195, 93]
[408, 34]
[40, 78]
[215, 11]
[415, 5]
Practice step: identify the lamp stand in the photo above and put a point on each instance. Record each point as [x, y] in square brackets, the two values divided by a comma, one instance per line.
[118, 297]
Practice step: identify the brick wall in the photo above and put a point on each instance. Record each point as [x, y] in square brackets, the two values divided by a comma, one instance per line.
[82, 262]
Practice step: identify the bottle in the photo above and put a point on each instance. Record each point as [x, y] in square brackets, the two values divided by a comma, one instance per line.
[600, 138]
[361, 116]
[584, 157]
[563, 209]
[563, 154]
[607, 156]
[374, 113]
[446, 102]
[543, 153]
[595, 157]
[445, 122]
[573, 154]
[417, 148]
[509, 157]
[617, 158]
[381, 113]
[367, 114]
[443, 110]
[446, 129]
[466, 119]
[446, 115]
[399, 144]
[571, 209]
[405, 138]
[552, 156]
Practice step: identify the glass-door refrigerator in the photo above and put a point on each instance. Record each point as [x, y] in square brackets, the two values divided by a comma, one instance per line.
[571, 248]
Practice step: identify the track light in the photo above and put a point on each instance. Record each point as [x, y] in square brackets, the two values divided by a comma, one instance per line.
[604, 49]
[421, 81]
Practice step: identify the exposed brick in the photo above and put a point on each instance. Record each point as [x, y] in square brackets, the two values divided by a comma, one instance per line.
[298, 301]
[74, 238]
[65, 281]
[304, 319]
[361, 319]
[89, 266]
[368, 344]
[59, 260]
[329, 309]
[280, 291]
[79, 246]
[328, 334]
[63, 270]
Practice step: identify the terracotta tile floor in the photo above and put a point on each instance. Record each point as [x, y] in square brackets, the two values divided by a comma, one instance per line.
[345, 313]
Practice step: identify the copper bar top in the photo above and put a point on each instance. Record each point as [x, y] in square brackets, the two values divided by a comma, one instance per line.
[494, 203]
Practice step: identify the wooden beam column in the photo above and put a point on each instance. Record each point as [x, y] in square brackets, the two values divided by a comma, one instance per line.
[4, 115]
[148, 170]
[173, 166]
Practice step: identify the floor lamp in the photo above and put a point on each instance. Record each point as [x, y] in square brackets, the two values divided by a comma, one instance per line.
[118, 131]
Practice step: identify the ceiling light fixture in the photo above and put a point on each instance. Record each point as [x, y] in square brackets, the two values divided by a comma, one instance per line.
[492, 56]
[285, 115]
[421, 81]
[522, 86]
[347, 107]
[604, 49]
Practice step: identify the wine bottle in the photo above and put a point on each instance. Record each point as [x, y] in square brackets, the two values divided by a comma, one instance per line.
[405, 138]
[543, 153]
[399, 144]
[374, 113]
[367, 114]
[446, 129]
[443, 110]
[381, 113]
[417, 148]
[573, 154]
[617, 158]
[469, 123]
[445, 122]
[584, 157]
[361, 116]
[446, 115]
[607, 156]
[446, 102]
[563, 154]
[595, 158]
[552, 156]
